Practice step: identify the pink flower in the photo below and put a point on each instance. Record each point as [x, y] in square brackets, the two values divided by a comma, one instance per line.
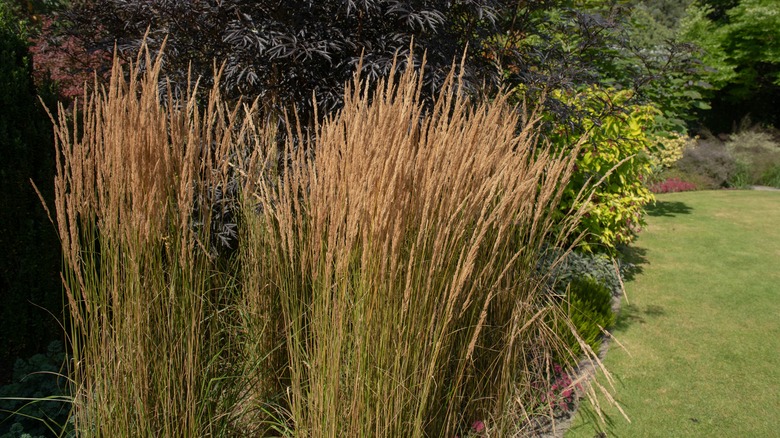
[478, 426]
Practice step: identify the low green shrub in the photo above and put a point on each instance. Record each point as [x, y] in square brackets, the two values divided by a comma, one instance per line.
[585, 283]
[757, 155]
[588, 303]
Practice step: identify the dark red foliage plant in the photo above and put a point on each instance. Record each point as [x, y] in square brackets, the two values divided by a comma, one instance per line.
[61, 59]
[673, 185]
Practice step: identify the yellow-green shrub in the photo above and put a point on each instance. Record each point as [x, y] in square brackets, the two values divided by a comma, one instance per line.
[613, 157]
[668, 149]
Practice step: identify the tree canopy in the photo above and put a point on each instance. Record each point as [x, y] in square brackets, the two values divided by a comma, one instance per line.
[741, 46]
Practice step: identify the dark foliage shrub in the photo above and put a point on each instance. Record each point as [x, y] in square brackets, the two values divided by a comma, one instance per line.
[40, 378]
[286, 53]
[673, 185]
[30, 260]
[710, 160]
[61, 61]
[283, 52]
[61, 65]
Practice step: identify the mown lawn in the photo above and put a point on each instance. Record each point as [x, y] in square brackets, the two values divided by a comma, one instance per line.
[701, 327]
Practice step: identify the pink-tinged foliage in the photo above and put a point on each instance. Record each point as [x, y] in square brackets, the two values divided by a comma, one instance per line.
[673, 185]
[563, 393]
[64, 60]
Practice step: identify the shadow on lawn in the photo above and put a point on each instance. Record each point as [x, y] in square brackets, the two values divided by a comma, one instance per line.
[631, 314]
[668, 209]
[635, 258]
[601, 426]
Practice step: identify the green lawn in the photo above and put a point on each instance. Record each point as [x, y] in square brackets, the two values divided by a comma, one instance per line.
[702, 330]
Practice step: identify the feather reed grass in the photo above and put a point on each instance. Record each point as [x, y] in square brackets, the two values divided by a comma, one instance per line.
[403, 258]
[151, 348]
[385, 283]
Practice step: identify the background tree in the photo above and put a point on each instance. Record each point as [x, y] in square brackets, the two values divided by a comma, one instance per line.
[573, 45]
[613, 72]
[740, 46]
[665, 12]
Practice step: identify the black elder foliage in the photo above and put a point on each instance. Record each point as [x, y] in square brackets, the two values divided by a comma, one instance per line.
[286, 52]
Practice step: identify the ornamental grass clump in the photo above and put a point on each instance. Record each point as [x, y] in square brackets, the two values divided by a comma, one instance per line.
[402, 256]
[757, 157]
[152, 339]
[385, 281]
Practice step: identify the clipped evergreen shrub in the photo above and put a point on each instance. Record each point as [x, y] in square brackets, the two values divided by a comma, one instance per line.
[589, 305]
[586, 284]
[577, 264]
